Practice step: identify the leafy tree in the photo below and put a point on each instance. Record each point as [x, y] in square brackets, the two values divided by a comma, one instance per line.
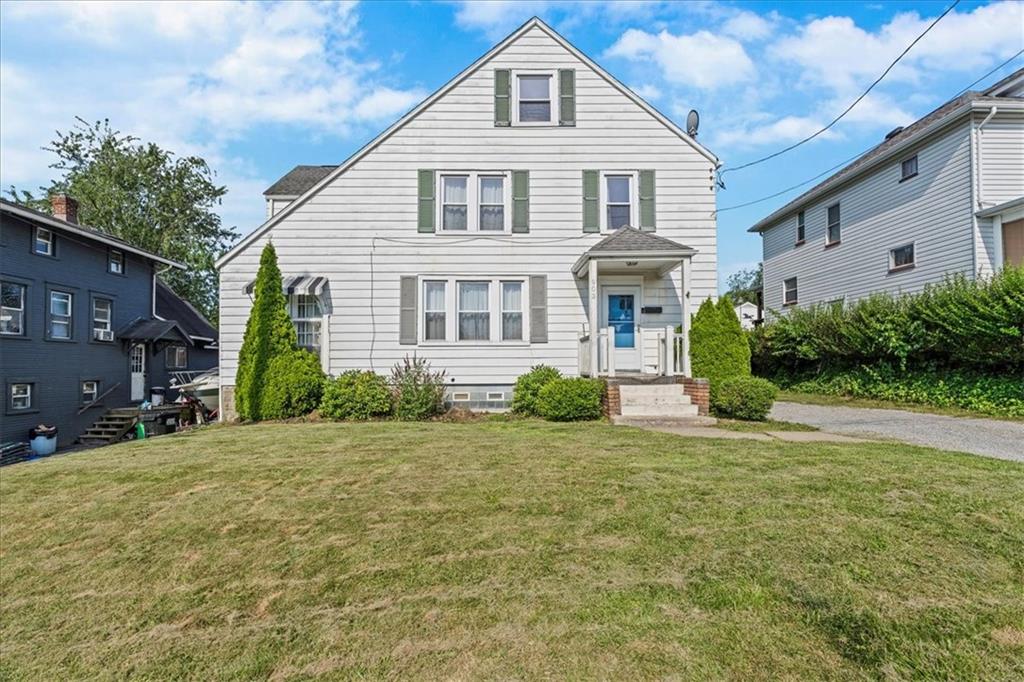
[269, 334]
[718, 349]
[146, 196]
[743, 286]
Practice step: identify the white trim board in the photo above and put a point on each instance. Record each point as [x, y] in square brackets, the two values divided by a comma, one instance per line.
[443, 90]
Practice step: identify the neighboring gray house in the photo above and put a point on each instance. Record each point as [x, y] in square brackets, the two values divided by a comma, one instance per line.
[78, 332]
[942, 196]
[533, 210]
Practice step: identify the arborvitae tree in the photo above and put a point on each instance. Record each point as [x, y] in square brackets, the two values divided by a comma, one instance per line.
[718, 349]
[269, 333]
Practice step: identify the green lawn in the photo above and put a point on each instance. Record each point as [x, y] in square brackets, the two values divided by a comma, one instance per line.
[509, 550]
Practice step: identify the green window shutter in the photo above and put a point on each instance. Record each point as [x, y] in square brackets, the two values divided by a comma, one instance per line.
[567, 97]
[520, 201]
[591, 201]
[425, 194]
[502, 96]
[647, 211]
[407, 312]
[538, 309]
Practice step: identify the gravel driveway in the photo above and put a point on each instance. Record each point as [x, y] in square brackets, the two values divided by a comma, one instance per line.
[988, 437]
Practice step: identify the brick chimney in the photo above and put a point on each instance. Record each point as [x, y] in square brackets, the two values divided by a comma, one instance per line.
[64, 208]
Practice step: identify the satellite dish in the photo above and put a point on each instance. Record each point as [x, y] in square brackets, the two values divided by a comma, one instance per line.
[692, 123]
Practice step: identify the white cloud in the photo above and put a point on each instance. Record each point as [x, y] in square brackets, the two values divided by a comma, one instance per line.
[648, 91]
[748, 26]
[781, 131]
[497, 18]
[702, 59]
[192, 77]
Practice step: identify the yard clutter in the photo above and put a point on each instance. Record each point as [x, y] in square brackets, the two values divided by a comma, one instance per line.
[958, 344]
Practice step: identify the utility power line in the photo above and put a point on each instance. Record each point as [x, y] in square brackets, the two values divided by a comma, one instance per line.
[852, 158]
[849, 108]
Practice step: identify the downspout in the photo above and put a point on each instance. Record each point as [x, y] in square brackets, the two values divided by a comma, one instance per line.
[991, 113]
[976, 235]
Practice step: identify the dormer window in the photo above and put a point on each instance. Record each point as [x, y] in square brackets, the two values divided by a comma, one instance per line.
[534, 98]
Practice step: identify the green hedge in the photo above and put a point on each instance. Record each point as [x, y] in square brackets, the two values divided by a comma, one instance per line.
[749, 398]
[293, 385]
[997, 395]
[356, 395]
[528, 386]
[571, 399]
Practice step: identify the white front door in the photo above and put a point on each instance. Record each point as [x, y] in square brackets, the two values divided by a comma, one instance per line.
[137, 367]
[620, 309]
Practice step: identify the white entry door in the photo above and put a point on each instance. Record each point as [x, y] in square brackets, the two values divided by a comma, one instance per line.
[620, 309]
[137, 367]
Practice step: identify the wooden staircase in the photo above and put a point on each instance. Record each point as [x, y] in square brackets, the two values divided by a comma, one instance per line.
[111, 427]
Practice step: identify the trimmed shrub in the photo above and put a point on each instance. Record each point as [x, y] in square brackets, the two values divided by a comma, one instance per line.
[356, 395]
[294, 385]
[749, 398]
[528, 386]
[269, 333]
[571, 399]
[418, 392]
[718, 349]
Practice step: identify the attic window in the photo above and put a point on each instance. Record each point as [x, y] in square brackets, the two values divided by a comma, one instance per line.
[534, 98]
[908, 168]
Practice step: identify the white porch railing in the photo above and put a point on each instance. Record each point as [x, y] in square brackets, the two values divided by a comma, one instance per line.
[663, 352]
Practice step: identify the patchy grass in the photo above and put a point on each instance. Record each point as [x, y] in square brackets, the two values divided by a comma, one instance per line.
[509, 550]
[847, 401]
[761, 427]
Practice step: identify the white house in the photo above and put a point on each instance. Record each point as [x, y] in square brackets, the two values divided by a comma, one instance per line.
[533, 210]
[942, 196]
[747, 313]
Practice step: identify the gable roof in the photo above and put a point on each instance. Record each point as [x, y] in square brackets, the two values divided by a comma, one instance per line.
[535, 22]
[48, 221]
[911, 134]
[630, 239]
[170, 306]
[298, 180]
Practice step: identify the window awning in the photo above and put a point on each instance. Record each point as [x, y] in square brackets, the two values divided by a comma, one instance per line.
[307, 285]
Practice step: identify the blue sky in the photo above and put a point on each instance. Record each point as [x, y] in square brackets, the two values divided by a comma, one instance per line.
[257, 88]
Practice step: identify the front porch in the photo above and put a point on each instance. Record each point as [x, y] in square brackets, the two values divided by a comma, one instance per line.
[638, 307]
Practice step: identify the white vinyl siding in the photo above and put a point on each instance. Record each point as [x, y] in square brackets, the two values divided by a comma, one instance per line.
[878, 213]
[368, 215]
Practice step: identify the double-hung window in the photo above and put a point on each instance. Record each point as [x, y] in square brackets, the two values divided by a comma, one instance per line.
[511, 311]
[534, 100]
[435, 303]
[801, 227]
[307, 316]
[474, 311]
[60, 314]
[176, 357]
[21, 397]
[12, 309]
[619, 194]
[833, 232]
[474, 201]
[90, 389]
[115, 262]
[101, 320]
[789, 291]
[43, 244]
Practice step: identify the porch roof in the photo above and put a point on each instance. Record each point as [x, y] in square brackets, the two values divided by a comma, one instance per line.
[142, 329]
[632, 244]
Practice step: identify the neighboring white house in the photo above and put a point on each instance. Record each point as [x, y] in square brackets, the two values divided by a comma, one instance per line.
[747, 314]
[533, 210]
[941, 196]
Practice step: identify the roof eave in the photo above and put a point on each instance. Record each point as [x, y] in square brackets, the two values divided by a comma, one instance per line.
[946, 120]
[58, 224]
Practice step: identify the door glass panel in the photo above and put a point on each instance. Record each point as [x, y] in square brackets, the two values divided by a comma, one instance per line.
[621, 317]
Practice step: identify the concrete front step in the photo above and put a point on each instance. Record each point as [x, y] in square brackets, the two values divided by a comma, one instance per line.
[655, 400]
[643, 421]
[659, 411]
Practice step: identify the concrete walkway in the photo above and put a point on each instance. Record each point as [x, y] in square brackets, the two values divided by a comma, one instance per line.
[987, 437]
